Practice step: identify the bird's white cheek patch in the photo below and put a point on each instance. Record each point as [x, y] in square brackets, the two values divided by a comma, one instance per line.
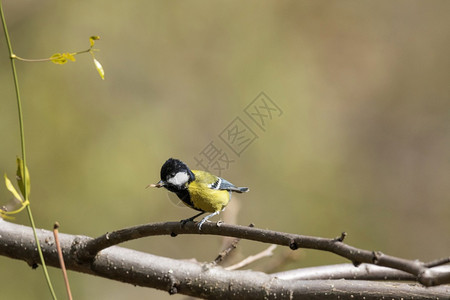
[179, 179]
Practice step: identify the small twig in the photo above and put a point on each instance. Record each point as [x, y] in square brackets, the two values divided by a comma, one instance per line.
[438, 262]
[61, 260]
[281, 260]
[230, 216]
[252, 258]
[229, 247]
[226, 251]
[344, 271]
[341, 237]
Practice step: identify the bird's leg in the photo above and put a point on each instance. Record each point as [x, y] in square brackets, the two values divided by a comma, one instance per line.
[183, 222]
[207, 217]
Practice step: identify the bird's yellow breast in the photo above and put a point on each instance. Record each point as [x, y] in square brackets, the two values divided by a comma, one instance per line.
[205, 198]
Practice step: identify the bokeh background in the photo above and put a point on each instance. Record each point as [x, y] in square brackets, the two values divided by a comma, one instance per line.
[362, 146]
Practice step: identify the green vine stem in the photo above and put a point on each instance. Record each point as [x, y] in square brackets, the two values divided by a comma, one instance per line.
[22, 141]
[49, 58]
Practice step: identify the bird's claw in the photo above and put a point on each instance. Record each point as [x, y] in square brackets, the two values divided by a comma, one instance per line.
[201, 223]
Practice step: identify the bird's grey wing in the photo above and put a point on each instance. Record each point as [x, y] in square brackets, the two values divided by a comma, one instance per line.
[222, 184]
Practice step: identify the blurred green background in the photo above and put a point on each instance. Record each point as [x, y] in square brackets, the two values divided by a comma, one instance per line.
[362, 145]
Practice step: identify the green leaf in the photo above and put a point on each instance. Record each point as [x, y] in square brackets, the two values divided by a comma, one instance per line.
[92, 40]
[12, 189]
[20, 176]
[99, 69]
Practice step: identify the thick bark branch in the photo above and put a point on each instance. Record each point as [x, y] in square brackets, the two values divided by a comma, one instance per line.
[190, 278]
[423, 274]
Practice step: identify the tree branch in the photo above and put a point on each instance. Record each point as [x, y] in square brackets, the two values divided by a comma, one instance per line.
[349, 271]
[191, 278]
[226, 252]
[422, 273]
[252, 258]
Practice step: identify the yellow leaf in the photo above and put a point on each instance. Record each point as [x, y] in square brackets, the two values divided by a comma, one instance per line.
[99, 69]
[12, 189]
[5, 216]
[62, 58]
[92, 40]
[58, 59]
[69, 56]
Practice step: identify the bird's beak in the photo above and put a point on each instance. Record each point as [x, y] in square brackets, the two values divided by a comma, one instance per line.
[157, 185]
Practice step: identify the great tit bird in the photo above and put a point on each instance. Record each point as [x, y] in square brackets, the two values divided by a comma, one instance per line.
[199, 190]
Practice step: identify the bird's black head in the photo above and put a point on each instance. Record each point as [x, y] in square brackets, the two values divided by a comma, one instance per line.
[175, 174]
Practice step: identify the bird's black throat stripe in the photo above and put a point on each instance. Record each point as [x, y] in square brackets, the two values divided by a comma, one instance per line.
[186, 198]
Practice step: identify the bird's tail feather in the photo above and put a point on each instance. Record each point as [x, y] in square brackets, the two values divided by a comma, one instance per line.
[242, 189]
